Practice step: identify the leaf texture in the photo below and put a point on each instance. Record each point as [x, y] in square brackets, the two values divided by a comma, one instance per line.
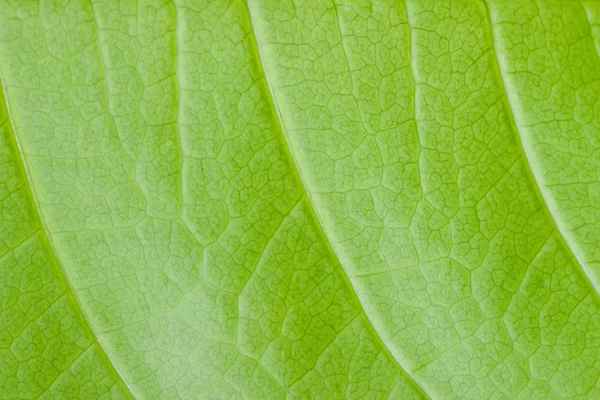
[300, 199]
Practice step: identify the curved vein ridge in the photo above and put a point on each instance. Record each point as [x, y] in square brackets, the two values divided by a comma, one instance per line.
[55, 257]
[546, 201]
[311, 209]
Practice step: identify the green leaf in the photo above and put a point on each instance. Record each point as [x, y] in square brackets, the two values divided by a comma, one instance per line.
[309, 199]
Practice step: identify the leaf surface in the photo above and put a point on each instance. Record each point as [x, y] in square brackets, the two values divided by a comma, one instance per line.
[310, 199]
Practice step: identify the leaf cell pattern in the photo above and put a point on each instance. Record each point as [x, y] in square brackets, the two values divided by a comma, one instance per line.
[300, 199]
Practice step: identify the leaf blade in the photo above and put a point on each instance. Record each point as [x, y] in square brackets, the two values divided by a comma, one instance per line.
[386, 218]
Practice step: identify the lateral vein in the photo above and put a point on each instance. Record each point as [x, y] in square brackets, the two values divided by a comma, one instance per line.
[526, 159]
[311, 207]
[57, 262]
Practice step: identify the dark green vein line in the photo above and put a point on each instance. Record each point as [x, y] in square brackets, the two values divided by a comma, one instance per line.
[526, 158]
[311, 208]
[48, 238]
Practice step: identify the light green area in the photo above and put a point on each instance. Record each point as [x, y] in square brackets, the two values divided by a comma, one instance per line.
[309, 199]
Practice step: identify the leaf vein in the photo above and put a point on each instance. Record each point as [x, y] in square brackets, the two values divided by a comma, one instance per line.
[310, 201]
[56, 262]
[537, 186]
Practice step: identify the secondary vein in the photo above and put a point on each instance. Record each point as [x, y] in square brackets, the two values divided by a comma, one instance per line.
[537, 186]
[311, 208]
[46, 232]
